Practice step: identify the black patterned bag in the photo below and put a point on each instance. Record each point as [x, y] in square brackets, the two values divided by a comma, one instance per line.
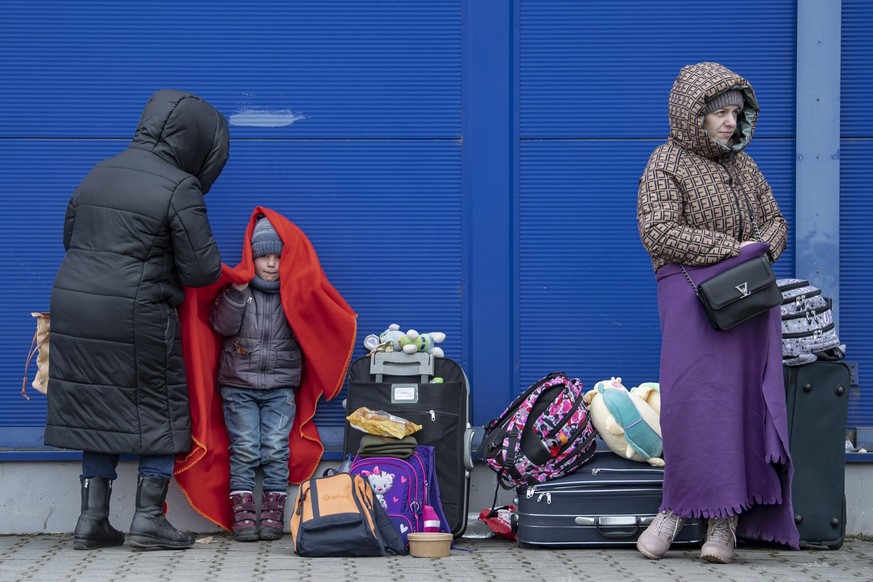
[808, 330]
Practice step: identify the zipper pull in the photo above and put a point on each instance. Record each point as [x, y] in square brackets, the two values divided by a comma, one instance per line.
[432, 416]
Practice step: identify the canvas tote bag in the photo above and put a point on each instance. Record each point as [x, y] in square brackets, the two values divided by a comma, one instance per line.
[39, 347]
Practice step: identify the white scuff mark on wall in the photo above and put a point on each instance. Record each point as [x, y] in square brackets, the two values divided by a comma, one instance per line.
[256, 117]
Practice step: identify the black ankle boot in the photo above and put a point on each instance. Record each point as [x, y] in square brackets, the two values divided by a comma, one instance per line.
[93, 529]
[150, 530]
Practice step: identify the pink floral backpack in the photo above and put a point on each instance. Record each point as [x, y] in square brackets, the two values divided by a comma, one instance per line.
[544, 434]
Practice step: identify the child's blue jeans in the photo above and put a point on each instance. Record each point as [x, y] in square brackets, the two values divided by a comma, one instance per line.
[258, 424]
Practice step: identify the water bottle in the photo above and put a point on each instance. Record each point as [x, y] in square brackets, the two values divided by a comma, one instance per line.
[347, 464]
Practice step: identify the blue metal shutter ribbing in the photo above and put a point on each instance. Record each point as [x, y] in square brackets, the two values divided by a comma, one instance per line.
[594, 80]
[345, 116]
[856, 204]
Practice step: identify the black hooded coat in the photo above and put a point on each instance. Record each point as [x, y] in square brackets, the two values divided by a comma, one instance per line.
[135, 232]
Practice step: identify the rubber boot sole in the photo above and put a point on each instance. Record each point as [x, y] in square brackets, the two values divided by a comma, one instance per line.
[716, 559]
[148, 543]
[88, 544]
[270, 534]
[246, 535]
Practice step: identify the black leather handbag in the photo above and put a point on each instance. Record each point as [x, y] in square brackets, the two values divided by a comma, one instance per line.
[741, 292]
[738, 294]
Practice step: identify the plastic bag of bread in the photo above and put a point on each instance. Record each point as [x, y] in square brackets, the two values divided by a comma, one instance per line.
[380, 423]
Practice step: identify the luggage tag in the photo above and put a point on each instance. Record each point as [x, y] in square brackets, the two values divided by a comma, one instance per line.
[404, 393]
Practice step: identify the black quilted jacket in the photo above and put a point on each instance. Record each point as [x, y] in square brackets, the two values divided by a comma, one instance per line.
[135, 232]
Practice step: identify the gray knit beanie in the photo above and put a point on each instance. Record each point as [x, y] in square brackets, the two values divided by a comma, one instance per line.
[723, 99]
[265, 239]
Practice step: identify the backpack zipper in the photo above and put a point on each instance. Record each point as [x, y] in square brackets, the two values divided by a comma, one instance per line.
[800, 298]
[814, 334]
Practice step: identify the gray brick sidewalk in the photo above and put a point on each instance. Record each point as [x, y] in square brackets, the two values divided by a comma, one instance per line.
[50, 557]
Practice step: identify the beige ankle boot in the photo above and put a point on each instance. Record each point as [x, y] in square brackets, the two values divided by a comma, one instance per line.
[721, 538]
[656, 540]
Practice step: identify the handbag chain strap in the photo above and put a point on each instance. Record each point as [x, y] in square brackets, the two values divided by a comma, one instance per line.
[690, 282]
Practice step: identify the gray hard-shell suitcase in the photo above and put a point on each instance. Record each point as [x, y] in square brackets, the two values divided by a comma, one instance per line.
[818, 403]
[609, 501]
[432, 392]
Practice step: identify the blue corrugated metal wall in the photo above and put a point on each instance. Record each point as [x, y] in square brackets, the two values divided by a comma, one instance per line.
[594, 80]
[368, 125]
[345, 116]
[856, 204]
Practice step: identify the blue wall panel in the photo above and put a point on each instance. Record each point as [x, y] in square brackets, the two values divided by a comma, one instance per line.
[857, 65]
[468, 166]
[304, 68]
[593, 85]
[587, 300]
[604, 69]
[856, 204]
[856, 272]
[385, 218]
[345, 117]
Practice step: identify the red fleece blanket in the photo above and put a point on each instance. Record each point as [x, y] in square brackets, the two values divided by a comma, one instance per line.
[325, 327]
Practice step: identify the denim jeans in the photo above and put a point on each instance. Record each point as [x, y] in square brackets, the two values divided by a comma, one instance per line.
[104, 464]
[258, 424]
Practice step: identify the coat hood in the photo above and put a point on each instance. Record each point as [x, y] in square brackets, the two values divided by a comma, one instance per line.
[186, 131]
[692, 88]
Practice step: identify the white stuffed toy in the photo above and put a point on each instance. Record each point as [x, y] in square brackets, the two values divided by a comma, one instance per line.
[651, 393]
[629, 426]
[394, 340]
[388, 341]
[423, 342]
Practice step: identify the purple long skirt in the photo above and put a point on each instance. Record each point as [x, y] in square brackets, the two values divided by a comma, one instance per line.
[723, 412]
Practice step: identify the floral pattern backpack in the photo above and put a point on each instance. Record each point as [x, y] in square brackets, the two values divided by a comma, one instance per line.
[544, 434]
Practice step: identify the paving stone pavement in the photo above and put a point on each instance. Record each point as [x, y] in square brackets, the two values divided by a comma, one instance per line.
[47, 558]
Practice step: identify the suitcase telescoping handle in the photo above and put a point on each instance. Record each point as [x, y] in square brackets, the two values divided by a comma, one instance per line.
[634, 523]
[402, 364]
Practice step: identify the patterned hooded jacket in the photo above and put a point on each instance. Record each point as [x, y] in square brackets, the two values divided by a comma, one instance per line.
[691, 205]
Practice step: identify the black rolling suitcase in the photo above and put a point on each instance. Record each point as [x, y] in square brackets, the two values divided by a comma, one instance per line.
[609, 501]
[429, 391]
[818, 402]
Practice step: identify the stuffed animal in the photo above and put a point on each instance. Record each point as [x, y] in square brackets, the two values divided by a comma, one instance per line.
[423, 342]
[394, 340]
[629, 426]
[388, 341]
[651, 393]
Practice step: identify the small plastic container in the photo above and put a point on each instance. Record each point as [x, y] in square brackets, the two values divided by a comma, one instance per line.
[430, 544]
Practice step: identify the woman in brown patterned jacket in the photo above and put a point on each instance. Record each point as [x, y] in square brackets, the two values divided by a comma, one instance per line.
[703, 203]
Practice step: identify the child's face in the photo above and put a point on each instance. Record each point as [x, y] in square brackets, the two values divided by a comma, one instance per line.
[267, 267]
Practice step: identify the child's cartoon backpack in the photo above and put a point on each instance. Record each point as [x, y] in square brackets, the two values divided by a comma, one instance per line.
[407, 489]
[808, 331]
[544, 434]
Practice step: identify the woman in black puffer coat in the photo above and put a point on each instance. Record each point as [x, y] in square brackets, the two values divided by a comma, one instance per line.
[135, 232]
